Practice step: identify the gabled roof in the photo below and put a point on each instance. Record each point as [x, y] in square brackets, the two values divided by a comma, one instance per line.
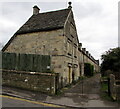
[45, 21]
[42, 22]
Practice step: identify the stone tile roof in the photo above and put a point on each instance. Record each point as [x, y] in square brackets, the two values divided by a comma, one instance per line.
[45, 21]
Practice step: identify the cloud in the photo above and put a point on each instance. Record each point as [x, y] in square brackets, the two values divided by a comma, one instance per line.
[88, 9]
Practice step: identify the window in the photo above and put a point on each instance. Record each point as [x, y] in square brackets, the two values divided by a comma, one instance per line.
[75, 51]
[72, 36]
[69, 47]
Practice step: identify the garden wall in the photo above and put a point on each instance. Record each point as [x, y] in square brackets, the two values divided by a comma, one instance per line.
[114, 88]
[35, 81]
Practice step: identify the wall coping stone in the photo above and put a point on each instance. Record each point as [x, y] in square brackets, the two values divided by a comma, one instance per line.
[26, 72]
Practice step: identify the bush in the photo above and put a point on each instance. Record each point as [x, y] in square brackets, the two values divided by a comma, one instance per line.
[111, 60]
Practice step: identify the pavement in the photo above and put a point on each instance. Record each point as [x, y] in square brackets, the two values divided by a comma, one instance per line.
[84, 94]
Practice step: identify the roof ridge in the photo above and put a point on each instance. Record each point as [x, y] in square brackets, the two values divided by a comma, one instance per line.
[45, 21]
[55, 11]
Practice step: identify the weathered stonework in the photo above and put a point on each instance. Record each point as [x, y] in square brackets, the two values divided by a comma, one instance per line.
[61, 44]
[44, 43]
[42, 82]
[114, 88]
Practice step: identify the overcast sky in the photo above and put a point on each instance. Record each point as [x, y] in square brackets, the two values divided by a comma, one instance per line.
[96, 21]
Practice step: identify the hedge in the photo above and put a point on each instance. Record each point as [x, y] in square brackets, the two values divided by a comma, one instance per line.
[88, 69]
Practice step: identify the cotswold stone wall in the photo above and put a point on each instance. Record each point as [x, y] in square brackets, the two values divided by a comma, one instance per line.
[118, 92]
[35, 81]
[114, 88]
[43, 43]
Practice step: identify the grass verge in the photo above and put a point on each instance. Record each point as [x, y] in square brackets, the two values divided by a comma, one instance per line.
[104, 92]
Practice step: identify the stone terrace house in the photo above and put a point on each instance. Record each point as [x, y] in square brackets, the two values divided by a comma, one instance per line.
[53, 33]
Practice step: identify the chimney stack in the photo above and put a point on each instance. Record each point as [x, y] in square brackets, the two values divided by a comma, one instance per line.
[87, 53]
[80, 46]
[35, 10]
[84, 50]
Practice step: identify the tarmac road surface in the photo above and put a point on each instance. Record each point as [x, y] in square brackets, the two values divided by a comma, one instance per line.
[13, 102]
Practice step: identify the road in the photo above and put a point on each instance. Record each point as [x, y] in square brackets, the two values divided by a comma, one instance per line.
[8, 101]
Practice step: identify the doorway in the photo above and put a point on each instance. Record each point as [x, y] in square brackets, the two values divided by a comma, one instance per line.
[69, 74]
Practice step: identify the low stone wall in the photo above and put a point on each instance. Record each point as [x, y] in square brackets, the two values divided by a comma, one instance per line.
[114, 88]
[35, 81]
[117, 75]
[118, 91]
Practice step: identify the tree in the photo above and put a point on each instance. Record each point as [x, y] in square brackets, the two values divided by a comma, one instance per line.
[111, 60]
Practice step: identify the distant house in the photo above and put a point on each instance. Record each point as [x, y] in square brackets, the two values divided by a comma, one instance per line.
[53, 33]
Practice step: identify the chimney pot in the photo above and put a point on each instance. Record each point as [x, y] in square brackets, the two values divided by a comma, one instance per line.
[70, 5]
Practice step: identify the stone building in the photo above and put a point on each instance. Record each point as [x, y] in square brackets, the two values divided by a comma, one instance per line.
[53, 33]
